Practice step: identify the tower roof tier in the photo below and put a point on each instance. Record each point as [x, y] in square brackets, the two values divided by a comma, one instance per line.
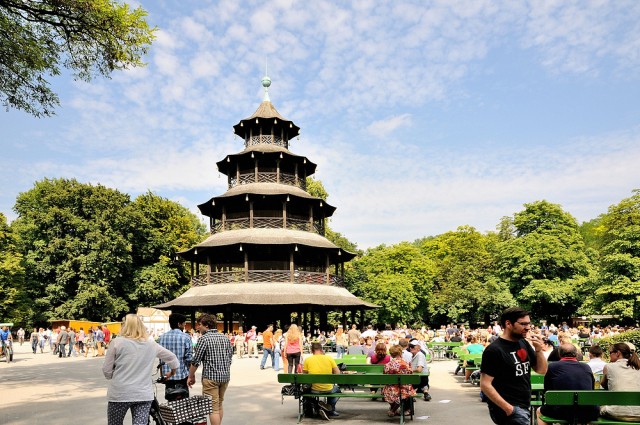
[247, 157]
[266, 237]
[263, 294]
[269, 115]
[247, 192]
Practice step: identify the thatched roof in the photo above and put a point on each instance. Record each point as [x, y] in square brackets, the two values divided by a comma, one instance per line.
[267, 237]
[268, 294]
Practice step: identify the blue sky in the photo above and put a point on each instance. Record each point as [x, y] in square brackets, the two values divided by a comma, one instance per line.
[421, 115]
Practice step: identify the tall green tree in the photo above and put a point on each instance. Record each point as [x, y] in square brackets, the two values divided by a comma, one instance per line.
[465, 288]
[545, 265]
[88, 37]
[14, 306]
[91, 253]
[618, 288]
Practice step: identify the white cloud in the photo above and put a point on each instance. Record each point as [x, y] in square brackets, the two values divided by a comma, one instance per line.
[382, 128]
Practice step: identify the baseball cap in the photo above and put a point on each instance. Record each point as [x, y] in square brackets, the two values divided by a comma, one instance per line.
[414, 343]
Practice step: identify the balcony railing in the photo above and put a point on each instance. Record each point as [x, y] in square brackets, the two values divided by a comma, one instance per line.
[266, 276]
[268, 223]
[266, 139]
[268, 177]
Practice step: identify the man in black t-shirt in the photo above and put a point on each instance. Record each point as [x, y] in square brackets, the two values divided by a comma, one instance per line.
[506, 369]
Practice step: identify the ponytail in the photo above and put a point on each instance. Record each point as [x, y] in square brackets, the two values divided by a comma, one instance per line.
[634, 361]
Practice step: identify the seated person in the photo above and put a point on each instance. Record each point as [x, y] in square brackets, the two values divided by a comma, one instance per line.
[392, 393]
[547, 348]
[355, 348]
[595, 360]
[474, 347]
[379, 356]
[320, 363]
[622, 374]
[419, 365]
[554, 356]
[568, 374]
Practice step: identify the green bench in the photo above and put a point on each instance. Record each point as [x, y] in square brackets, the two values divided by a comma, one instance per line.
[591, 398]
[363, 381]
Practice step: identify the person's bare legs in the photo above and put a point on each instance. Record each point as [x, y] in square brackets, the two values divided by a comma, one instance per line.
[216, 417]
[540, 421]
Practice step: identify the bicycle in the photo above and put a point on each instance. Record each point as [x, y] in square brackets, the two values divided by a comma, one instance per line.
[6, 350]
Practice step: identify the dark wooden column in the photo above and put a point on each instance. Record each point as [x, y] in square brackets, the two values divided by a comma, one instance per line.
[292, 267]
[251, 214]
[246, 265]
[323, 320]
[344, 320]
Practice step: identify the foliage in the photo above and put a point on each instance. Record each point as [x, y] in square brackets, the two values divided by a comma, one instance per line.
[14, 307]
[316, 188]
[545, 265]
[630, 336]
[91, 253]
[618, 289]
[38, 38]
[464, 287]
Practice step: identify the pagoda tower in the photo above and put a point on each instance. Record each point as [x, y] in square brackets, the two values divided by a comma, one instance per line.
[267, 255]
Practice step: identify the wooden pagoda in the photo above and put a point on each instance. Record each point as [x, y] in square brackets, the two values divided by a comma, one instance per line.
[267, 256]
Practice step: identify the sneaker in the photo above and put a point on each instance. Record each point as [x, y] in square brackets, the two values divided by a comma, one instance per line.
[325, 406]
[333, 413]
[323, 415]
[427, 397]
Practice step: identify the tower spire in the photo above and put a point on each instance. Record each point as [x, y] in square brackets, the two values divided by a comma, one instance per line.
[266, 82]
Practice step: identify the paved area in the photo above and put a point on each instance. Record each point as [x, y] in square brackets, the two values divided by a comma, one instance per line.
[44, 390]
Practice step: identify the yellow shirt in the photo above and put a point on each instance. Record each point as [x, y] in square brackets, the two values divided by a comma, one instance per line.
[319, 364]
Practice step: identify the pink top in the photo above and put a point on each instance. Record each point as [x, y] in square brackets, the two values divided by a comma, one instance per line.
[293, 346]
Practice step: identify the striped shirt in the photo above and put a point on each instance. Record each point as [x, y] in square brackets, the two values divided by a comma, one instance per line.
[214, 351]
[179, 343]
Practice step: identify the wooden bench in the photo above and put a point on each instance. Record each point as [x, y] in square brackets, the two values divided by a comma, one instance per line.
[353, 380]
[591, 398]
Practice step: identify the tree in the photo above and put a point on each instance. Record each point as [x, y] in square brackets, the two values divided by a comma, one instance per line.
[545, 265]
[464, 287]
[618, 289]
[88, 37]
[14, 306]
[91, 253]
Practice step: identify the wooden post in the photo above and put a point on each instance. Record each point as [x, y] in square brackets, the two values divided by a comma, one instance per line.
[344, 320]
[246, 266]
[291, 266]
[237, 174]
[284, 214]
[251, 214]
[277, 171]
[224, 218]
[256, 171]
[327, 269]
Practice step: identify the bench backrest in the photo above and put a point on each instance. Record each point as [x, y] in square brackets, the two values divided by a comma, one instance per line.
[592, 398]
[367, 368]
[345, 379]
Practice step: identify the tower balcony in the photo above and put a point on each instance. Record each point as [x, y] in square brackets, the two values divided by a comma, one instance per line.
[267, 276]
[266, 139]
[268, 223]
[267, 177]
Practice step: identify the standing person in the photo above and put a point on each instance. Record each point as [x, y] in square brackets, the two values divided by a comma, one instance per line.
[251, 337]
[72, 342]
[215, 352]
[80, 339]
[179, 343]
[568, 374]
[267, 347]
[622, 374]
[128, 366]
[90, 343]
[342, 342]
[34, 338]
[107, 336]
[506, 369]
[354, 335]
[63, 340]
[42, 339]
[239, 342]
[277, 349]
[20, 335]
[293, 348]
[98, 336]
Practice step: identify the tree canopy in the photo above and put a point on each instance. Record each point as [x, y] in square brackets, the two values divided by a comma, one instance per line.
[40, 38]
[91, 253]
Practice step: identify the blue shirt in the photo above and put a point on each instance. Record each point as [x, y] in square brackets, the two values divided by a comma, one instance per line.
[4, 335]
[179, 343]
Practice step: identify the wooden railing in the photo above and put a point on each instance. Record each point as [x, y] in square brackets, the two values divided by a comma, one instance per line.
[266, 276]
[268, 223]
[267, 140]
[268, 177]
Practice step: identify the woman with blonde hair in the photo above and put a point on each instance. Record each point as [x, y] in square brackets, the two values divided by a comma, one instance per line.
[342, 342]
[293, 348]
[277, 350]
[128, 366]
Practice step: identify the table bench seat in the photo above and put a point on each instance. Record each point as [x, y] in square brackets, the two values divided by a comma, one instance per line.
[591, 398]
